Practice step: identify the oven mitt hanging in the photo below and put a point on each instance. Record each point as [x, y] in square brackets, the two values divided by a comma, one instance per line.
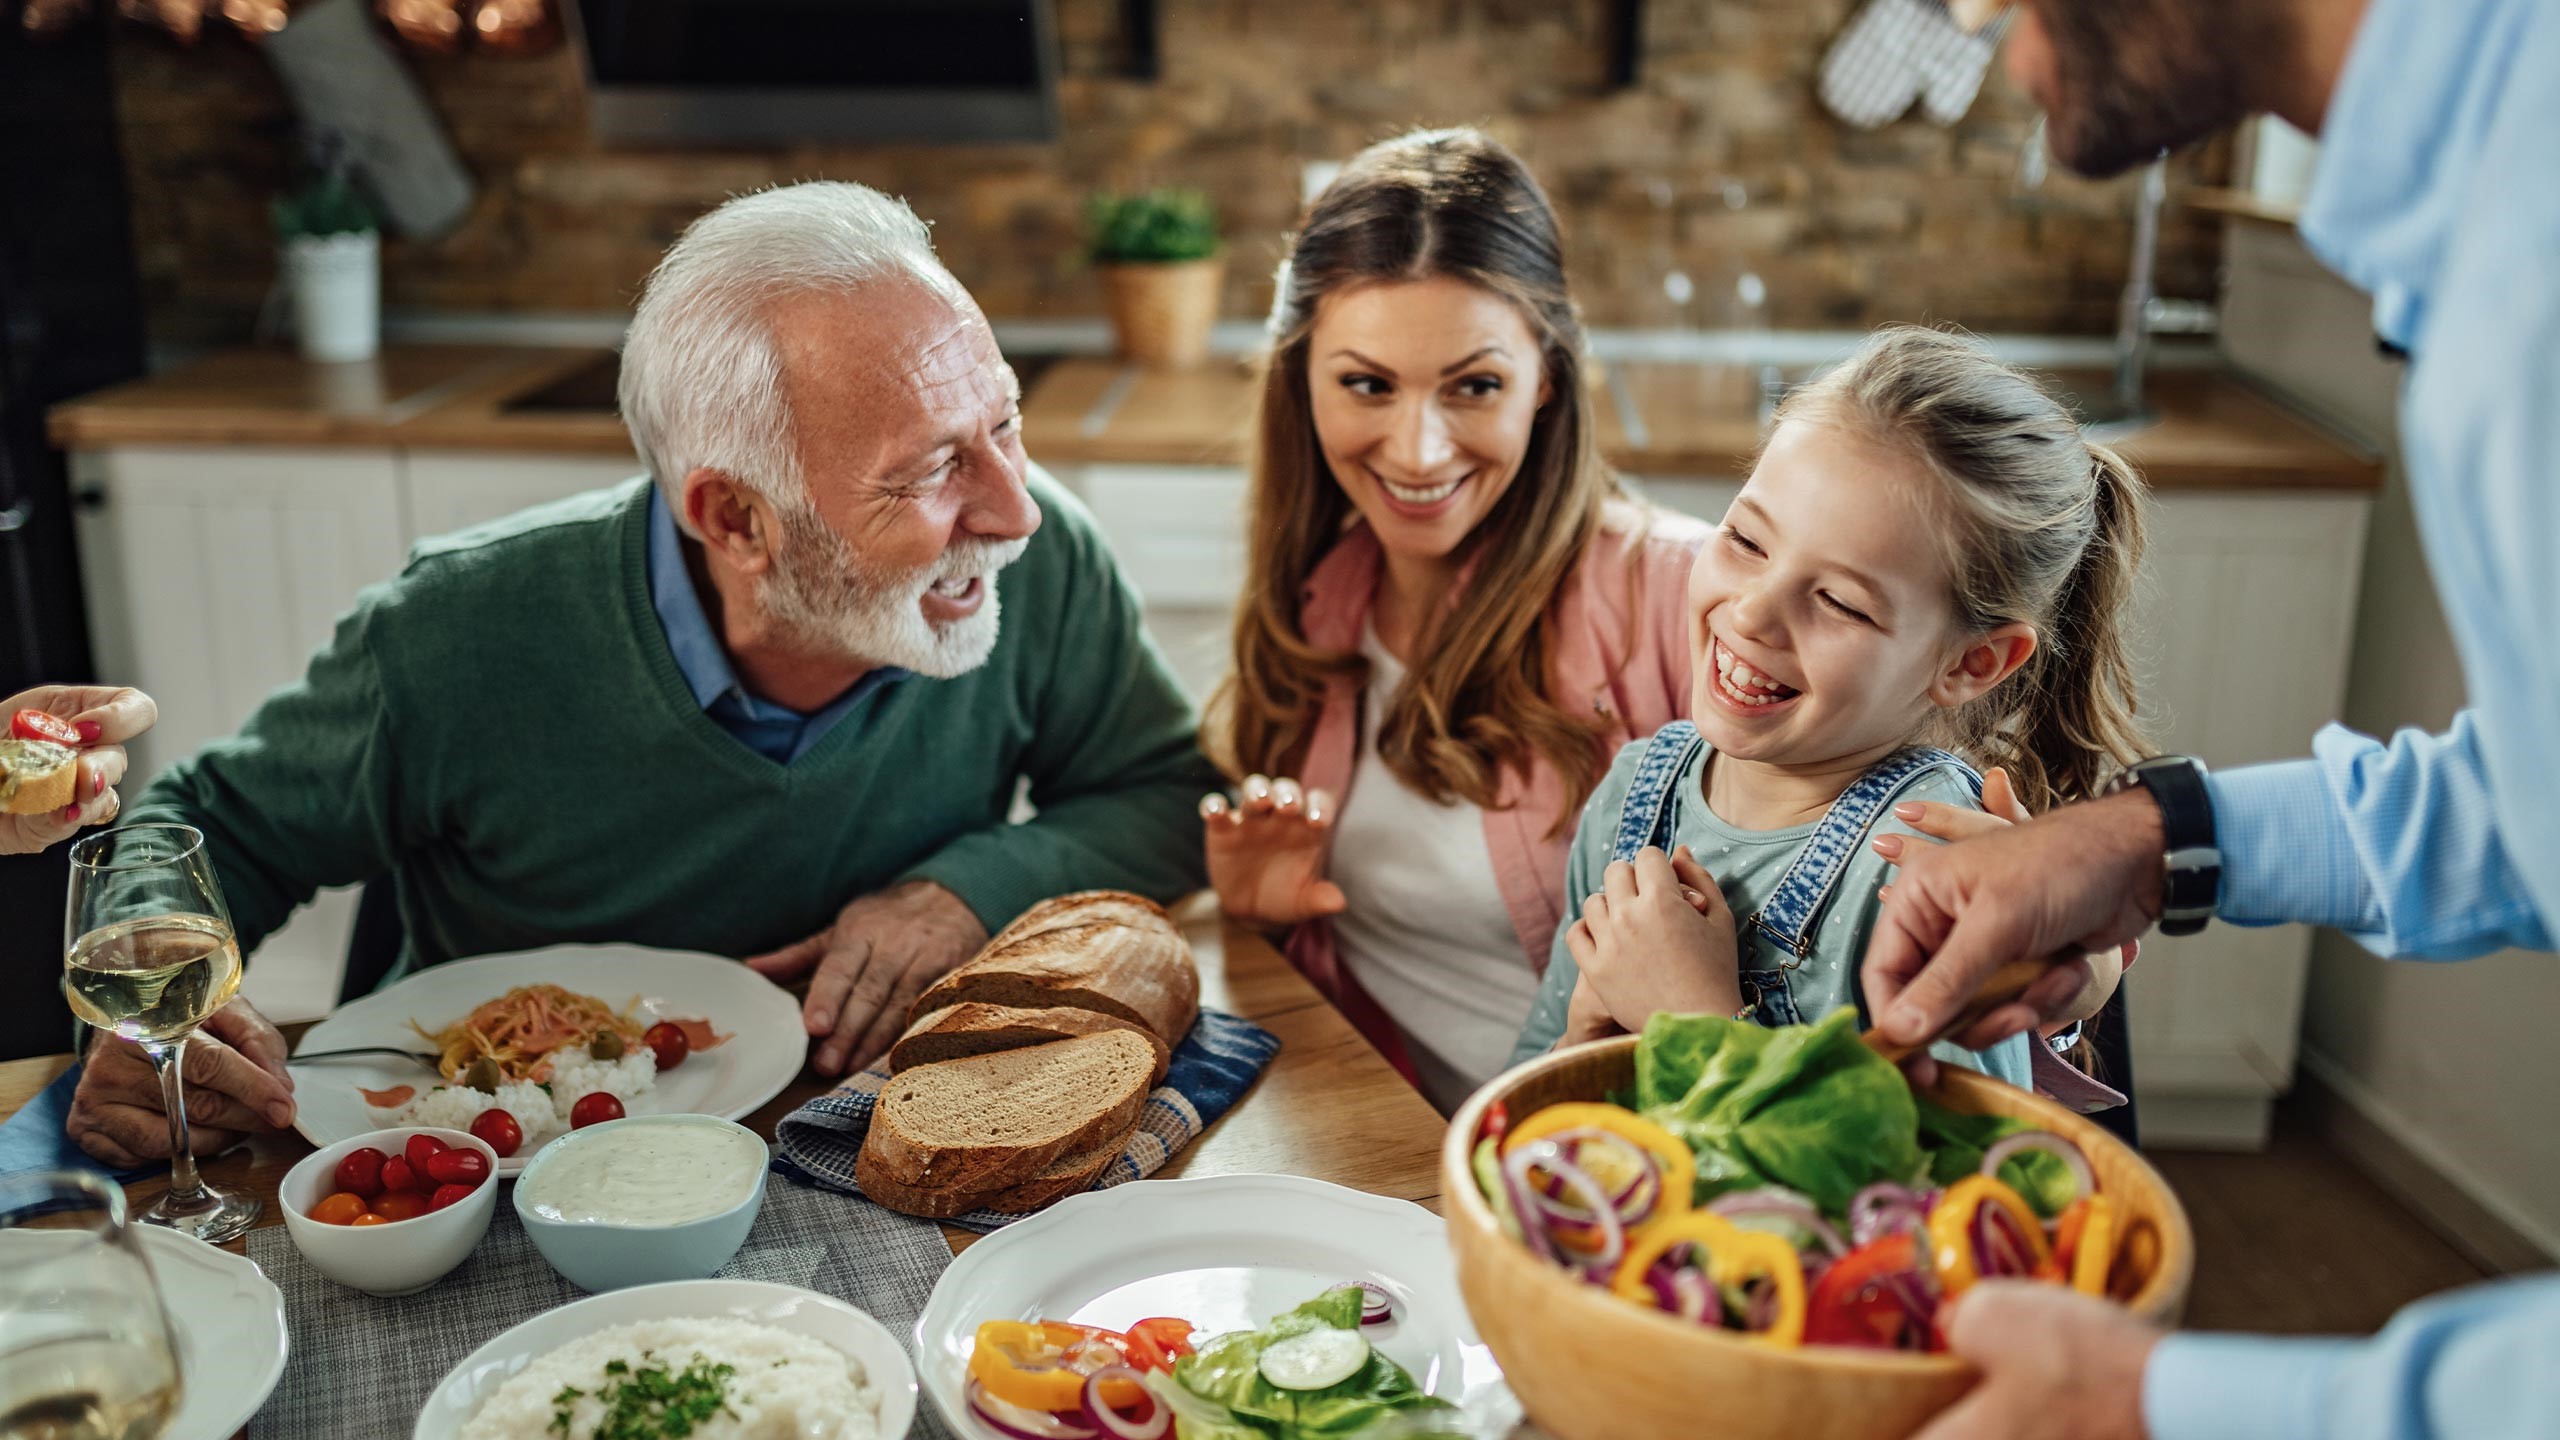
[1899, 51]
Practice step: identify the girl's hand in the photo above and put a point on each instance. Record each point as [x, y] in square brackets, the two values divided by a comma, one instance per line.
[106, 716]
[1586, 1016]
[1658, 936]
[1267, 851]
[2093, 981]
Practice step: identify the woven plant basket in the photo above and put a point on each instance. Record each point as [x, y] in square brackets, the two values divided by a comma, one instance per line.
[1162, 313]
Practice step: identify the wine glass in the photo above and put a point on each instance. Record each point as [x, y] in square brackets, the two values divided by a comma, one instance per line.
[149, 955]
[85, 1348]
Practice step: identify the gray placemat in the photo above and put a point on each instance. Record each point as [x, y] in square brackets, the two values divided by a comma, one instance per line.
[363, 1367]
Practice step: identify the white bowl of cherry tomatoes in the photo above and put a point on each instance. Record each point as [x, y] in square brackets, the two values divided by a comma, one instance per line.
[390, 1212]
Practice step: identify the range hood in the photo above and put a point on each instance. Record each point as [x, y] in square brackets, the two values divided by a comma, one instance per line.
[788, 72]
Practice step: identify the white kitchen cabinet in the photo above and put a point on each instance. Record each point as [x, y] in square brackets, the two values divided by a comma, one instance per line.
[212, 575]
[448, 490]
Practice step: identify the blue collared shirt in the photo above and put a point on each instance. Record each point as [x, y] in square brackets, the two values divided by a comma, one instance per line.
[778, 733]
[2439, 194]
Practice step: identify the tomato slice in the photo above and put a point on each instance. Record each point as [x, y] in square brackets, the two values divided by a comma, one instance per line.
[1850, 1304]
[37, 725]
[1155, 1344]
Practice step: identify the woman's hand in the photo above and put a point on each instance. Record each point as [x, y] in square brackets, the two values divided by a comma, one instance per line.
[2095, 977]
[1267, 853]
[1658, 936]
[106, 716]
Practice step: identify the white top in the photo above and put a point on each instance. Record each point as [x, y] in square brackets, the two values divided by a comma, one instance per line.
[1427, 933]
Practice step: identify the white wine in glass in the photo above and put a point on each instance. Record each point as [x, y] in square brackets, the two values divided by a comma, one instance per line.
[85, 1346]
[149, 956]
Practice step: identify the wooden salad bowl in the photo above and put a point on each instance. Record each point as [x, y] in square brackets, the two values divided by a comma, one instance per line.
[1588, 1365]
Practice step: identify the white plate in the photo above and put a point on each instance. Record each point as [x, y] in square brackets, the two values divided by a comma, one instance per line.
[785, 1307]
[227, 1319]
[764, 1053]
[1225, 1252]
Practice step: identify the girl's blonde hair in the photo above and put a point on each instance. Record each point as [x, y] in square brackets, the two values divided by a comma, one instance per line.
[2042, 527]
[1432, 203]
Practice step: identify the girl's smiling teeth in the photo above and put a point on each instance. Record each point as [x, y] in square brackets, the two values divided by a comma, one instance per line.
[1744, 685]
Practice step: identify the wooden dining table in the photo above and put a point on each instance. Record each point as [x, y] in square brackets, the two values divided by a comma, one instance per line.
[1328, 1107]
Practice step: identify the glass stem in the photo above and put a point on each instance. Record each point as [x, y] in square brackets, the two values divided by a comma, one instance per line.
[184, 1188]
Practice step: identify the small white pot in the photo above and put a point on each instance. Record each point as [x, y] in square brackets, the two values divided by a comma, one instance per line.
[337, 295]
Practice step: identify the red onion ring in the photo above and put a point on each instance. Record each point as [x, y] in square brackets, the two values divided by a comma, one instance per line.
[1377, 1307]
[1159, 1418]
[1548, 1156]
[1022, 1423]
[1695, 1298]
[1533, 1224]
[1778, 1202]
[2083, 1180]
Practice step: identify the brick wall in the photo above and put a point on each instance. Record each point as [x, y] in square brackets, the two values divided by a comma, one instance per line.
[1718, 162]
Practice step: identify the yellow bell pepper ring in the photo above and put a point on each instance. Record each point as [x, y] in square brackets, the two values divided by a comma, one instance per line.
[1679, 1166]
[1028, 1364]
[2095, 1254]
[1950, 1227]
[1734, 1257]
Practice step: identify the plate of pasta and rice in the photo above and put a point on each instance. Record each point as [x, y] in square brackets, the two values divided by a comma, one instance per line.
[551, 1040]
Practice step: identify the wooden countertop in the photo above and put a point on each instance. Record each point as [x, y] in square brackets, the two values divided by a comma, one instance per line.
[2215, 431]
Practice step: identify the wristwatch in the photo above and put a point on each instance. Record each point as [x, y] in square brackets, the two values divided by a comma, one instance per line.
[2191, 863]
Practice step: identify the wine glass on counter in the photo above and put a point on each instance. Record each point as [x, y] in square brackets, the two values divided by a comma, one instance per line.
[85, 1346]
[150, 956]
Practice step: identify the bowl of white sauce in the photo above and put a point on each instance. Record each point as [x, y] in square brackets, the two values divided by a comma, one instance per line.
[645, 1199]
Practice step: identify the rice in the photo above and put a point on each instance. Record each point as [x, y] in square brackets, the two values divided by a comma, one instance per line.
[542, 1114]
[782, 1386]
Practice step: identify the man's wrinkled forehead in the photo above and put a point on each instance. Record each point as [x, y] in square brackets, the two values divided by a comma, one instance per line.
[899, 359]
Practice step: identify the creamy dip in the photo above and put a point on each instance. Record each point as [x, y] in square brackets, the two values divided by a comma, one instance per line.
[653, 1173]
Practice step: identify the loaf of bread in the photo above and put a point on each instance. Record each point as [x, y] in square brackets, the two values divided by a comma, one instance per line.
[975, 1027]
[1102, 950]
[947, 1136]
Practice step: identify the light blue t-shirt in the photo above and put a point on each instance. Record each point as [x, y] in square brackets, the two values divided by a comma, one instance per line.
[1747, 865]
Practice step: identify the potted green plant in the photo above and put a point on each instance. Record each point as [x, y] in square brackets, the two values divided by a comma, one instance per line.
[1158, 256]
[331, 246]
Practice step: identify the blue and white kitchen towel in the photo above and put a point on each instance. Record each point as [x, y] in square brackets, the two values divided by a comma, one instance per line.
[1212, 1068]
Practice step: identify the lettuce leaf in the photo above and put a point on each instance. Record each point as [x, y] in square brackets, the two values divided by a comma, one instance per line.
[1809, 1107]
[1957, 1144]
[1228, 1371]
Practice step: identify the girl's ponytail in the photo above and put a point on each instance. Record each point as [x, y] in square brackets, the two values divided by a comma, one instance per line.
[2042, 528]
[2075, 727]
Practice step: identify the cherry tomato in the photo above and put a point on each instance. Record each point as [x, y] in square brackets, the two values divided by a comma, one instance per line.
[339, 1209]
[458, 1166]
[498, 1130]
[669, 1043]
[361, 1172]
[369, 1218]
[37, 725]
[594, 1108]
[1155, 1344]
[450, 1194]
[397, 1177]
[422, 1148]
[401, 1205]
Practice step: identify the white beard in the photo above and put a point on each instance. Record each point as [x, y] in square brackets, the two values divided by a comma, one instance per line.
[820, 592]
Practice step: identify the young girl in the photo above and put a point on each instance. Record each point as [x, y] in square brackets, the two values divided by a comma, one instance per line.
[1927, 559]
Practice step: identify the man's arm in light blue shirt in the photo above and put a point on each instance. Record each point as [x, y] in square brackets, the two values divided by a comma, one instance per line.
[2478, 1364]
[2398, 845]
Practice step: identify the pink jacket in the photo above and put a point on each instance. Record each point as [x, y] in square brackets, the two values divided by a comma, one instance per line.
[1631, 669]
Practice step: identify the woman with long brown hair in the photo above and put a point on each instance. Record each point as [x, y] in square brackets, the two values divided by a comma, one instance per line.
[1453, 613]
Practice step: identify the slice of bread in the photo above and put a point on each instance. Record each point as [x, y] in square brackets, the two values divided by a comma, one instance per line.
[1067, 1175]
[1105, 951]
[968, 1127]
[36, 776]
[975, 1027]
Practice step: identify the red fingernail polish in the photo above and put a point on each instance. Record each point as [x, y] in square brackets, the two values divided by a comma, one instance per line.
[98, 784]
[70, 813]
[90, 730]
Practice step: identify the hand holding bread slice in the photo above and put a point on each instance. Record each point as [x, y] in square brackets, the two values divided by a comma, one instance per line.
[1024, 1069]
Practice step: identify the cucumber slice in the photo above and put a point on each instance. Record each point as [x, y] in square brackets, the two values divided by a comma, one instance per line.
[1315, 1359]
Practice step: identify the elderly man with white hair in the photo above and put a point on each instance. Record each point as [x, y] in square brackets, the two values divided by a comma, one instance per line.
[758, 703]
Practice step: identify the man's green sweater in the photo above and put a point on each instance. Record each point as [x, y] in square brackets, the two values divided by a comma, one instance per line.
[503, 728]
